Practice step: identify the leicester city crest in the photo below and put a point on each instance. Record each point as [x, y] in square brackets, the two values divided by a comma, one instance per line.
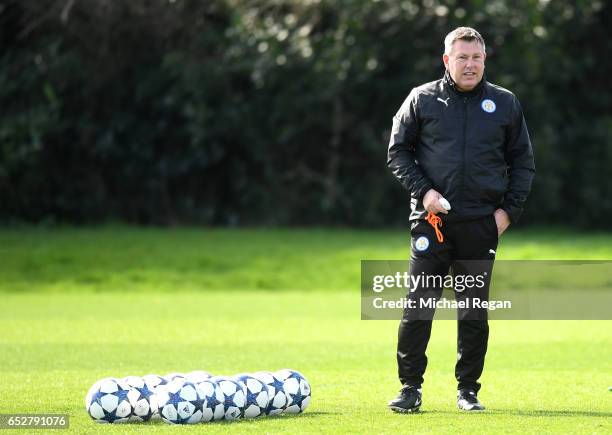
[488, 106]
[422, 243]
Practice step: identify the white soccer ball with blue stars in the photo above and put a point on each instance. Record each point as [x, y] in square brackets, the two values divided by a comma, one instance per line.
[155, 381]
[297, 390]
[214, 401]
[256, 395]
[180, 402]
[142, 398]
[107, 401]
[234, 397]
[277, 399]
[175, 377]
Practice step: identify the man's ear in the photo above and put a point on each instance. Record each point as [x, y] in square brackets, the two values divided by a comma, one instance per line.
[445, 60]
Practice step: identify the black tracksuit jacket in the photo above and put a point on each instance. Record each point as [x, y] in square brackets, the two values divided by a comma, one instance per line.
[472, 147]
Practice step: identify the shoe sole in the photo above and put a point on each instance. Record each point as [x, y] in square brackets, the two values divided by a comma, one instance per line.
[404, 410]
[472, 410]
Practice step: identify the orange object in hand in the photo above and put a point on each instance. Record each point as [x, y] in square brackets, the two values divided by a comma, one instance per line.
[436, 222]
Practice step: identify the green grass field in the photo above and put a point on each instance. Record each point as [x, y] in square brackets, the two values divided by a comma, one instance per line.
[78, 305]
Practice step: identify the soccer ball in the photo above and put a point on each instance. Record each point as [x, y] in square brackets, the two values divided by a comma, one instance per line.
[142, 398]
[175, 377]
[92, 390]
[197, 376]
[297, 390]
[234, 397]
[180, 402]
[154, 381]
[277, 399]
[256, 395]
[214, 405]
[107, 401]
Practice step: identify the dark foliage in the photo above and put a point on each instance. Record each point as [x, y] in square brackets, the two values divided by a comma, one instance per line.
[237, 112]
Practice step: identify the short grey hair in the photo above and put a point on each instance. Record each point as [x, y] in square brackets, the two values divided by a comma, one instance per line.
[465, 34]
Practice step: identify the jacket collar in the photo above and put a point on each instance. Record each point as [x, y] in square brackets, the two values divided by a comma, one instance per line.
[450, 83]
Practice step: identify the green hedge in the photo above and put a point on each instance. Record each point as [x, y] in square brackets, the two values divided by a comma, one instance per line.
[237, 112]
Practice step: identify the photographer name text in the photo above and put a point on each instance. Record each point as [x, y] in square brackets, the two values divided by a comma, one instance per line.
[442, 303]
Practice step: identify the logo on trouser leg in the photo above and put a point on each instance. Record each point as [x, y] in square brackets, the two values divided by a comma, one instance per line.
[422, 243]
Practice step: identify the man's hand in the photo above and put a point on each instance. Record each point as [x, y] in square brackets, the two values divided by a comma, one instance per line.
[431, 202]
[502, 220]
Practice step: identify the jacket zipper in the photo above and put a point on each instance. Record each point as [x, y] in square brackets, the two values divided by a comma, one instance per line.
[463, 162]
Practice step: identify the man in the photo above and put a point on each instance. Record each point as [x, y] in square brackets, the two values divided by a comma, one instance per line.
[461, 142]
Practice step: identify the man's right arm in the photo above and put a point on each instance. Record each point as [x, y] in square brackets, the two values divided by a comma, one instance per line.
[401, 158]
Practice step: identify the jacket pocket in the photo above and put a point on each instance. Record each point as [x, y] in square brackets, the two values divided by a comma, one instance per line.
[494, 225]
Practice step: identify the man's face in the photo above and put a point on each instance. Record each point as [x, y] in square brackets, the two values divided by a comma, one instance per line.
[466, 63]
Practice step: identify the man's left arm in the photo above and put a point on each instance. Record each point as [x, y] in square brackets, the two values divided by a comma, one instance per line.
[521, 165]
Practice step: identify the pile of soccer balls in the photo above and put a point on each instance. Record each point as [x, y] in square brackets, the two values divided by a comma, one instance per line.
[197, 397]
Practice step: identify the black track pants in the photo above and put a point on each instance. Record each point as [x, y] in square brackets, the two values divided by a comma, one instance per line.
[468, 248]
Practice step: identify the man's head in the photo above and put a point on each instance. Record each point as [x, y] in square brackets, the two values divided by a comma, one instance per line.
[464, 57]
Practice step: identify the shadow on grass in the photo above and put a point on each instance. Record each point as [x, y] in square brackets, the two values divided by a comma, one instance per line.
[242, 421]
[285, 417]
[275, 418]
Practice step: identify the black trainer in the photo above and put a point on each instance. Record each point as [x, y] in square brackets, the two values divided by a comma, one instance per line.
[467, 401]
[408, 400]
